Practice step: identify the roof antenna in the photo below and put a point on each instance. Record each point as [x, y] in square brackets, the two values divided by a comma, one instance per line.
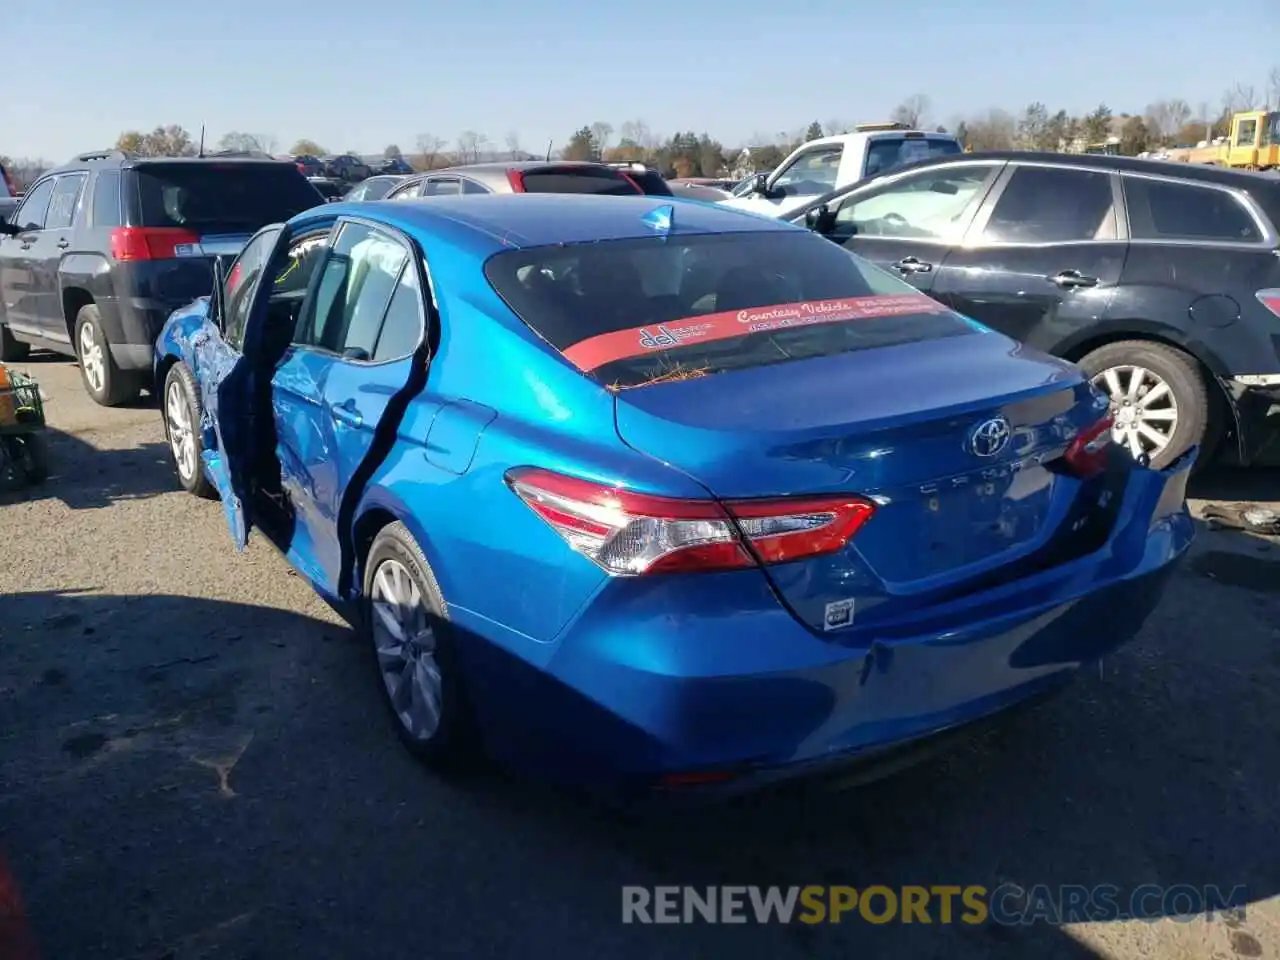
[550, 144]
[201, 154]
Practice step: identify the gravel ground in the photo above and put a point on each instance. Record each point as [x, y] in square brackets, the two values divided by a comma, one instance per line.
[194, 764]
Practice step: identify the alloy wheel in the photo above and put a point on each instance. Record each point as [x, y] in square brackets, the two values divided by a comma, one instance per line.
[92, 360]
[1143, 407]
[182, 439]
[406, 647]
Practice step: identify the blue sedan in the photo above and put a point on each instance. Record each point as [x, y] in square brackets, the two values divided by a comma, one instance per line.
[659, 495]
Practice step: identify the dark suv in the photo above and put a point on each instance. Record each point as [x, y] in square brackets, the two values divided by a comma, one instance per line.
[105, 247]
[1159, 279]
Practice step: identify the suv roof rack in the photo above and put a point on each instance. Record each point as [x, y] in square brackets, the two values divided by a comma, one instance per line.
[881, 125]
[111, 153]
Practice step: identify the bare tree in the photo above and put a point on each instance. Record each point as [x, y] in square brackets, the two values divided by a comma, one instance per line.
[832, 127]
[429, 145]
[513, 145]
[996, 131]
[1240, 97]
[600, 133]
[248, 142]
[1273, 83]
[637, 132]
[470, 145]
[1166, 117]
[912, 111]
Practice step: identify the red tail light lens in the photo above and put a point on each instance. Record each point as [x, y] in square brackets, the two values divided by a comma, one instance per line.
[516, 179]
[1271, 300]
[632, 534]
[150, 243]
[1087, 455]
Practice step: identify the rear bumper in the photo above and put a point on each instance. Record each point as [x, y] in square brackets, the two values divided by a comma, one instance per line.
[132, 325]
[696, 674]
[1257, 406]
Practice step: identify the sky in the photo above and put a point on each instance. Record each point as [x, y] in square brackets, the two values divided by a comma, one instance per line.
[367, 75]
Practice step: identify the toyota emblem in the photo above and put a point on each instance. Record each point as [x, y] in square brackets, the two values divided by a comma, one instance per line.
[990, 437]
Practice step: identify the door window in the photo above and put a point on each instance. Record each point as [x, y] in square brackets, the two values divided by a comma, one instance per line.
[403, 325]
[1053, 205]
[31, 215]
[470, 186]
[242, 283]
[1246, 133]
[360, 275]
[62, 204]
[406, 192]
[924, 206]
[811, 174]
[442, 187]
[1161, 210]
[106, 199]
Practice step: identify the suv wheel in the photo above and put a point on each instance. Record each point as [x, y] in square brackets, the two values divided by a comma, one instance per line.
[1159, 399]
[102, 378]
[12, 350]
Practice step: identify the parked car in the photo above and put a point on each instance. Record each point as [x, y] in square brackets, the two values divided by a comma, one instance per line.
[345, 167]
[1159, 279]
[103, 248]
[649, 180]
[307, 165]
[532, 176]
[375, 188]
[329, 188]
[396, 166]
[832, 163]
[8, 194]
[660, 496]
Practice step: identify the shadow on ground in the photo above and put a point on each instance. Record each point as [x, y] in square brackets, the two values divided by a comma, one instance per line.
[193, 778]
[85, 477]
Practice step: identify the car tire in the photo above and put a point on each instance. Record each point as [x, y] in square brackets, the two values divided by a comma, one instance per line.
[421, 679]
[183, 413]
[103, 380]
[11, 350]
[1135, 373]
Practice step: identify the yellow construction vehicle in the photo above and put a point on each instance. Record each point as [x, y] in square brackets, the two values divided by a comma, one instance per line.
[1109, 147]
[1253, 144]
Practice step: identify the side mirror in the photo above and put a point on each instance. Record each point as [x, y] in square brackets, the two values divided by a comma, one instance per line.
[8, 229]
[760, 184]
[821, 219]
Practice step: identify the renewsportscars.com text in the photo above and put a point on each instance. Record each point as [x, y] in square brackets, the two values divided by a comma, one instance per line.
[973, 904]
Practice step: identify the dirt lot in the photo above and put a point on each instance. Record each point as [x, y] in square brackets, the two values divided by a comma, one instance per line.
[194, 764]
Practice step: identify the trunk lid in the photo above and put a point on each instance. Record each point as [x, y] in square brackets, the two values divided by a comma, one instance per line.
[902, 424]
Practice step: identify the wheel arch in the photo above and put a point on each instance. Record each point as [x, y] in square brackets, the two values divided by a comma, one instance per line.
[74, 299]
[379, 508]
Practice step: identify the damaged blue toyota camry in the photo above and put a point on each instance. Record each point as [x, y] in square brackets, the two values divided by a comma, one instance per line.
[660, 497]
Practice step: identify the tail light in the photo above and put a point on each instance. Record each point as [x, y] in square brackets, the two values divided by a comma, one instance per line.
[1087, 455]
[516, 179]
[1271, 300]
[150, 243]
[631, 534]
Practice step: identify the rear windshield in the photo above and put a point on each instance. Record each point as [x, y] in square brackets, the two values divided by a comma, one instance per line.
[887, 153]
[230, 196]
[578, 180]
[651, 182]
[633, 312]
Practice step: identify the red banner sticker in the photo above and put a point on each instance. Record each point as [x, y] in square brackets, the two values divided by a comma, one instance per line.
[595, 352]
